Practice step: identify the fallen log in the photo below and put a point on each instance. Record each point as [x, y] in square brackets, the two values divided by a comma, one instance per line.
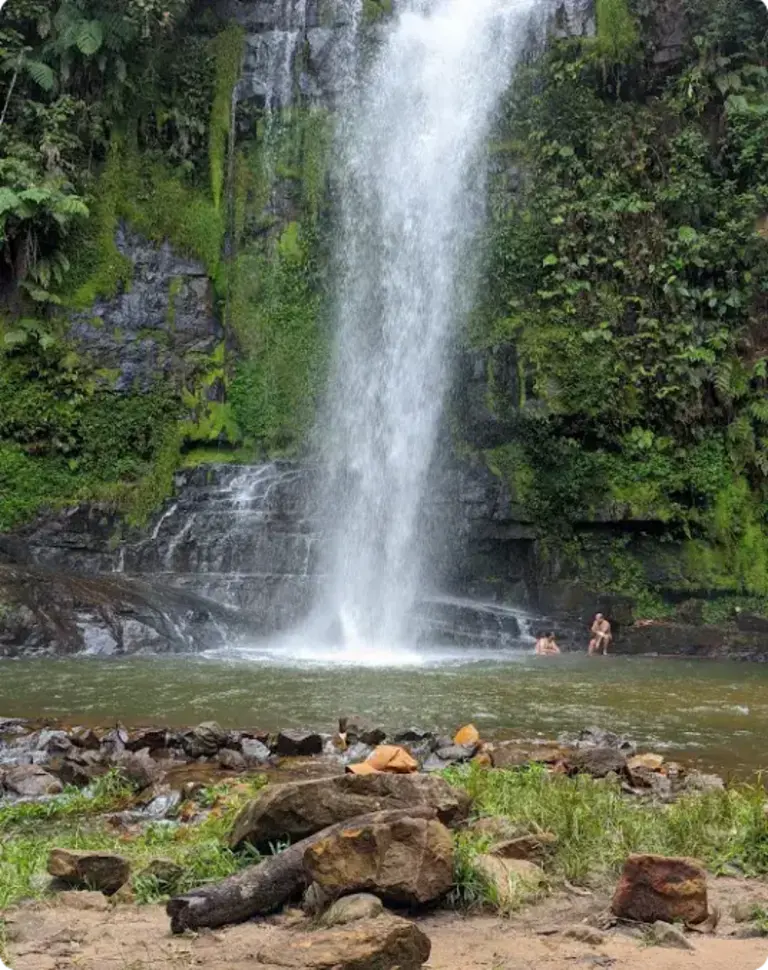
[263, 888]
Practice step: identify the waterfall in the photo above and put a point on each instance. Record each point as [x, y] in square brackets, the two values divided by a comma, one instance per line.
[410, 180]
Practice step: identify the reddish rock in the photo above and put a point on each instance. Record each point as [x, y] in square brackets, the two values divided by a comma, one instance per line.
[654, 887]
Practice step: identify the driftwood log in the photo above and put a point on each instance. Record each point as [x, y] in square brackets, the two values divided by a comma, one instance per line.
[263, 888]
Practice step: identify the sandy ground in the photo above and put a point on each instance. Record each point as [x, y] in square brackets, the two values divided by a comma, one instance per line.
[126, 937]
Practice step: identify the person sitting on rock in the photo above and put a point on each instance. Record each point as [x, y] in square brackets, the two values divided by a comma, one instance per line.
[601, 636]
[546, 645]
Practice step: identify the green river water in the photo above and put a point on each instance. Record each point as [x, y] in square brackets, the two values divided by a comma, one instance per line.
[715, 714]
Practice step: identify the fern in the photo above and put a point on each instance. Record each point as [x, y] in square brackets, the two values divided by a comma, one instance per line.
[41, 74]
[89, 37]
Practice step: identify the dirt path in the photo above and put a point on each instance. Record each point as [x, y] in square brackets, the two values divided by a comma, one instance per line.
[126, 937]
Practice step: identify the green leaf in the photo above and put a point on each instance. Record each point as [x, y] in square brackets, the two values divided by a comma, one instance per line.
[687, 234]
[550, 260]
[90, 37]
[41, 74]
[15, 338]
[9, 200]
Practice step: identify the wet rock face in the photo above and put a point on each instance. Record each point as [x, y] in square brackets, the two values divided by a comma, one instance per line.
[58, 614]
[131, 336]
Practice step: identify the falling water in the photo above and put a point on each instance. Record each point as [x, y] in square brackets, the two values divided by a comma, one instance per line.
[410, 178]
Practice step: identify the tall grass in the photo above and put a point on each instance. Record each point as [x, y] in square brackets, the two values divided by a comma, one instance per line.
[597, 827]
[29, 831]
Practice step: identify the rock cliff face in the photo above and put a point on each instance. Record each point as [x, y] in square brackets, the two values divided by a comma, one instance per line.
[162, 328]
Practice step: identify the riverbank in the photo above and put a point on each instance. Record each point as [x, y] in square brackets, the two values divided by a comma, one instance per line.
[557, 823]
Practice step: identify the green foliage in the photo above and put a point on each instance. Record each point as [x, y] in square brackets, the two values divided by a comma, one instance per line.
[275, 311]
[29, 832]
[275, 283]
[228, 47]
[626, 269]
[597, 827]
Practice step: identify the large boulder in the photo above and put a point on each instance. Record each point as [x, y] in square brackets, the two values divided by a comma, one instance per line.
[31, 781]
[654, 887]
[384, 943]
[407, 862]
[301, 808]
[89, 870]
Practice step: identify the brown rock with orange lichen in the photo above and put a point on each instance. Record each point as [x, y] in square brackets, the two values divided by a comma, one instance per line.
[405, 862]
[467, 736]
[392, 758]
[654, 887]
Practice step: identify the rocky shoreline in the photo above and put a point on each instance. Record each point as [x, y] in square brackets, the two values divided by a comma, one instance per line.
[38, 759]
[361, 831]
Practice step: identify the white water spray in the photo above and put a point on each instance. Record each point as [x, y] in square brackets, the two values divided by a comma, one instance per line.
[410, 178]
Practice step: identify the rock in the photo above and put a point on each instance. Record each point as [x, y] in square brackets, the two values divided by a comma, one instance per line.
[124, 895]
[585, 934]
[165, 872]
[255, 752]
[598, 762]
[139, 769]
[362, 768]
[384, 943]
[413, 736]
[467, 736]
[153, 739]
[355, 730]
[595, 737]
[315, 900]
[654, 887]
[300, 808]
[456, 753]
[514, 754]
[744, 910]
[408, 862]
[295, 743]
[351, 908]
[89, 870]
[53, 742]
[85, 737]
[82, 899]
[527, 847]
[204, 740]
[495, 827]
[650, 762]
[392, 758]
[78, 770]
[510, 878]
[665, 934]
[31, 781]
[700, 782]
[232, 760]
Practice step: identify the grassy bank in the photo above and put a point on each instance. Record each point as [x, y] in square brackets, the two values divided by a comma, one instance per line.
[597, 827]
[75, 819]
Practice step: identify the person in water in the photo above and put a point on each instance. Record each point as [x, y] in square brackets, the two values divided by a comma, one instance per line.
[601, 636]
[546, 645]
